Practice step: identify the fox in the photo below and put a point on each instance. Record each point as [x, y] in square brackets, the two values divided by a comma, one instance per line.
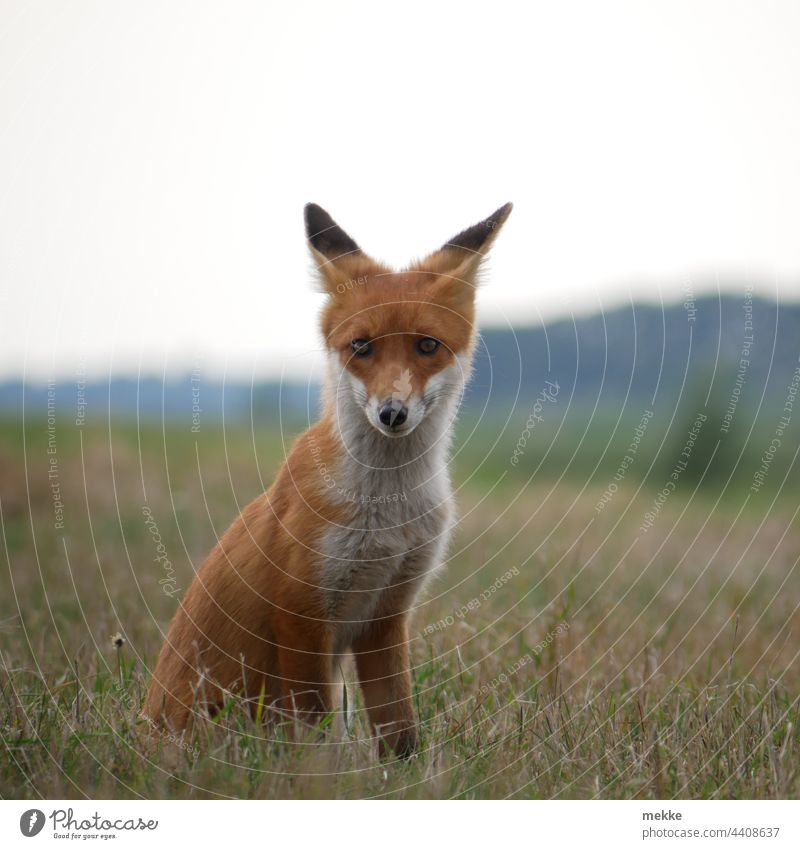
[330, 559]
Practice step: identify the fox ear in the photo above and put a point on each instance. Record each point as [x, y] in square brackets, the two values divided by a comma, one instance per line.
[337, 256]
[459, 259]
[325, 236]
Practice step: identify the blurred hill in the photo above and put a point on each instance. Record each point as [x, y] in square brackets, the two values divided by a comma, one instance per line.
[704, 388]
[640, 353]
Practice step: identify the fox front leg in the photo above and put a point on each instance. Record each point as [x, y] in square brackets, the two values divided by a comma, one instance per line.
[381, 656]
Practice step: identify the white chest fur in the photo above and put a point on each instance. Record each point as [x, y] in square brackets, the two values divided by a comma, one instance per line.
[398, 495]
[398, 498]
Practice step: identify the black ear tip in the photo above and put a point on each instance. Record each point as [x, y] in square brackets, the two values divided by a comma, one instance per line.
[475, 237]
[316, 219]
[505, 210]
[325, 234]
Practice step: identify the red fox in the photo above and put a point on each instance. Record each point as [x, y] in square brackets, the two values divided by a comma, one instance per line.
[330, 559]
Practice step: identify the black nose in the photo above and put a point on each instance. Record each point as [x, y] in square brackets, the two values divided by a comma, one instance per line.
[393, 413]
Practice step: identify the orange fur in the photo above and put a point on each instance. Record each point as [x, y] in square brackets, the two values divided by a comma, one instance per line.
[268, 611]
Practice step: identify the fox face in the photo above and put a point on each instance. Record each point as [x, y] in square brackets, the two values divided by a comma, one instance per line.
[399, 343]
[399, 351]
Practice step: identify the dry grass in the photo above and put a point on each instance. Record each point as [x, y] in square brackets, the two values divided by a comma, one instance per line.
[612, 664]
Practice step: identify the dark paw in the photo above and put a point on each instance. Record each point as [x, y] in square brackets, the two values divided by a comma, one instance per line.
[403, 744]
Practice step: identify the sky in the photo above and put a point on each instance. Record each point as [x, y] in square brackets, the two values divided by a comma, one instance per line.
[155, 158]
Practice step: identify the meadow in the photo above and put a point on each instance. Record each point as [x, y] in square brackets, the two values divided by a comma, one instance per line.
[567, 650]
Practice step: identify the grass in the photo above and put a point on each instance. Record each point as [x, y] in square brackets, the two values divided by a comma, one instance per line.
[563, 652]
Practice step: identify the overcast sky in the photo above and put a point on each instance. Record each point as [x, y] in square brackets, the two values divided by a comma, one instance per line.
[155, 158]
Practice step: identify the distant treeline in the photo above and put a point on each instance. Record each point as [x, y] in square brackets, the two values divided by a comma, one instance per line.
[697, 393]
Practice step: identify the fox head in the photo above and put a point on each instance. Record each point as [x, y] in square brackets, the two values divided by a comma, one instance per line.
[399, 343]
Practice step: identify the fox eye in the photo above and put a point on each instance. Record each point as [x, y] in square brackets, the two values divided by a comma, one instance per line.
[361, 347]
[427, 346]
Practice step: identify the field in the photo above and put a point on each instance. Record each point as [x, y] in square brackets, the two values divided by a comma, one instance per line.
[568, 650]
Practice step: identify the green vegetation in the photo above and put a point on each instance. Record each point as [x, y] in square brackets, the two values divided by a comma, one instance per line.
[563, 652]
